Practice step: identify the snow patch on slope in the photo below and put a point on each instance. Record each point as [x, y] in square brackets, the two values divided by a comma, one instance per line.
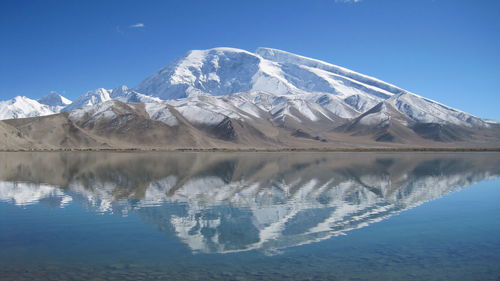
[104, 111]
[428, 111]
[160, 112]
[379, 117]
[198, 115]
[90, 98]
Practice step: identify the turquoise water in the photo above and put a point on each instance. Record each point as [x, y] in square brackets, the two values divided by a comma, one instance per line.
[249, 216]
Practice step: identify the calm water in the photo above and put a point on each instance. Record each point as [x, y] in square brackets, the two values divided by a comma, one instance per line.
[249, 216]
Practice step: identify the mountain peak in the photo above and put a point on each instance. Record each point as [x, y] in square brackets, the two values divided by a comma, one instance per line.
[20, 99]
[23, 107]
[119, 91]
[225, 71]
[90, 98]
[54, 99]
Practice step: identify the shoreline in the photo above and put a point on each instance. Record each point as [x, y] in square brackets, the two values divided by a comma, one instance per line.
[262, 150]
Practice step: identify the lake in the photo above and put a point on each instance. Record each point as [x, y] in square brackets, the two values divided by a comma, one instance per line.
[249, 216]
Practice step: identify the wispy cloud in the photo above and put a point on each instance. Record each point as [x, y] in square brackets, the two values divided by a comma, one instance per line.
[348, 1]
[137, 25]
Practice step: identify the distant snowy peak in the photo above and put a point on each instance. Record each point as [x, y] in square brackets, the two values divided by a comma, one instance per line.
[54, 99]
[90, 98]
[226, 71]
[124, 94]
[101, 95]
[119, 91]
[23, 107]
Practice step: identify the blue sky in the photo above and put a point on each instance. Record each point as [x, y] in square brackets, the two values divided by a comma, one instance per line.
[447, 50]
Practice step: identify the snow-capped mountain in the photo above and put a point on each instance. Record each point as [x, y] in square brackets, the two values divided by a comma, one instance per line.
[90, 98]
[22, 107]
[226, 97]
[336, 90]
[55, 101]
[225, 71]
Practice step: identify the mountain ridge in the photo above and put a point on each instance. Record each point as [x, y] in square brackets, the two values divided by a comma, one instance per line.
[232, 98]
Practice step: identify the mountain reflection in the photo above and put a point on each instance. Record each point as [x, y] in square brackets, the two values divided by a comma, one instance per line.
[226, 202]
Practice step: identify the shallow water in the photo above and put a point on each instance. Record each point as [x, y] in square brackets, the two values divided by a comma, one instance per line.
[249, 216]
